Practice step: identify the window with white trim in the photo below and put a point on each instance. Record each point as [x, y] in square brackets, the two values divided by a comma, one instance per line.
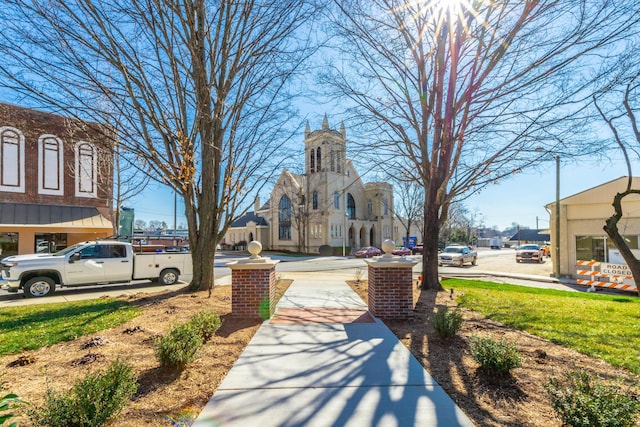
[50, 166]
[11, 160]
[86, 170]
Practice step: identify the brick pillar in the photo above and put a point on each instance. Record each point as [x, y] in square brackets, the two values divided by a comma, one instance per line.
[253, 286]
[390, 290]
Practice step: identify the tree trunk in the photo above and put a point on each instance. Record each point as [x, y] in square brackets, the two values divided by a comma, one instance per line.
[611, 228]
[430, 247]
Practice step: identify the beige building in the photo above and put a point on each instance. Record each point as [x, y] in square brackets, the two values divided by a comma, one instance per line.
[582, 217]
[328, 205]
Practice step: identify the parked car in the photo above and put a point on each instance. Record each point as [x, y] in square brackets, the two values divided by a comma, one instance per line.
[417, 249]
[401, 251]
[367, 252]
[457, 255]
[89, 263]
[530, 252]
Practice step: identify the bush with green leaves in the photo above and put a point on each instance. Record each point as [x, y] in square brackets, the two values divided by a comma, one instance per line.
[447, 323]
[91, 402]
[207, 322]
[177, 348]
[496, 357]
[582, 400]
[8, 402]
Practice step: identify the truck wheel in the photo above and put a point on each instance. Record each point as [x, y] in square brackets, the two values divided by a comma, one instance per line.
[474, 261]
[168, 277]
[39, 287]
[461, 264]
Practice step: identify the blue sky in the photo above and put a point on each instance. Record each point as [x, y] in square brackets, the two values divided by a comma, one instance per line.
[523, 197]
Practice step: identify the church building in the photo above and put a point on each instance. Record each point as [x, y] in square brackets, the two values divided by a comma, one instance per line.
[328, 206]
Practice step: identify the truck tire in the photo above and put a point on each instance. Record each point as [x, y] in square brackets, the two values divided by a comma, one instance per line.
[461, 264]
[39, 287]
[168, 276]
[474, 261]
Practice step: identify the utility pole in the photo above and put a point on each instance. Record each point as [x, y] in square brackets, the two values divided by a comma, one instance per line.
[556, 263]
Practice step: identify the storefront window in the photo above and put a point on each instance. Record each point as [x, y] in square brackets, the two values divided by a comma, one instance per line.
[596, 248]
[8, 244]
[50, 242]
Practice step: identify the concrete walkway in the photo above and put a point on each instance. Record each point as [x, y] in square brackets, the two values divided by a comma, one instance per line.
[323, 360]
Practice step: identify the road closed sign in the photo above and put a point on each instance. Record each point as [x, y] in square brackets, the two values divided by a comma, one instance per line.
[605, 275]
[615, 269]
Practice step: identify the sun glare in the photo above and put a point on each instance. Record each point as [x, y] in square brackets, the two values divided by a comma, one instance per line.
[451, 8]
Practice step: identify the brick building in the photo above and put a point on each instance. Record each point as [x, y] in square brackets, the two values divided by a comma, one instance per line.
[56, 181]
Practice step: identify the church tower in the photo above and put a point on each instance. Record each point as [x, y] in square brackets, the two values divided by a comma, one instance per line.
[325, 149]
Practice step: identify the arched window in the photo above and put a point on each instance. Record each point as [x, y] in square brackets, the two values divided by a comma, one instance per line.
[319, 159]
[336, 200]
[11, 160]
[385, 204]
[339, 162]
[315, 200]
[333, 161]
[351, 207]
[284, 218]
[50, 166]
[312, 160]
[86, 170]
[369, 207]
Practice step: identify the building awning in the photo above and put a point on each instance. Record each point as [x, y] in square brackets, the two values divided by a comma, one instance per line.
[37, 215]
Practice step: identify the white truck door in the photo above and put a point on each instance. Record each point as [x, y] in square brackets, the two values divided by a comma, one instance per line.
[117, 265]
[89, 268]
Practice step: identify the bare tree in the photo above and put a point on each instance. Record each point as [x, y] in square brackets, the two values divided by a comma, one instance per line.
[199, 89]
[409, 205]
[460, 94]
[128, 181]
[622, 120]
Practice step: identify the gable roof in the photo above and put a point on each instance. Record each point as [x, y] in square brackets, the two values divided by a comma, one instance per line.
[605, 192]
[532, 235]
[248, 217]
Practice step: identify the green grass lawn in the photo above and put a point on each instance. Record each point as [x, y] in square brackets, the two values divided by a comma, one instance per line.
[606, 327]
[36, 326]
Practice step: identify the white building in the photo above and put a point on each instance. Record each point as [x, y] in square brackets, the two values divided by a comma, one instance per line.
[328, 206]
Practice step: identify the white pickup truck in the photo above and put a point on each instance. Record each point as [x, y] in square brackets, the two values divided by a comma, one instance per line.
[89, 263]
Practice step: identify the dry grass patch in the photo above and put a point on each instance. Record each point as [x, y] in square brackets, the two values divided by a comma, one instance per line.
[516, 400]
[162, 393]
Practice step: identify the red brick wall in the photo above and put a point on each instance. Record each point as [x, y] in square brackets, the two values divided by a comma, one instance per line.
[34, 124]
[253, 292]
[391, 292]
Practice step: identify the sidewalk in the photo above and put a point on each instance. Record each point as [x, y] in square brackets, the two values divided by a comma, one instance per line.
[323, 360]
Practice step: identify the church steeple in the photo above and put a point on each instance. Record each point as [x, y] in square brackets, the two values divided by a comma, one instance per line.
[325, 122]
[307, 130]
[342, 130]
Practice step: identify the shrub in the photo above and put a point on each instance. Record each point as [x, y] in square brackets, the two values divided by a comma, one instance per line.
[206, 322]
[92, 401]
[584, 400]
[358, 274]
[495, 357]
[7, 403]
[179, 347]
[447, 323]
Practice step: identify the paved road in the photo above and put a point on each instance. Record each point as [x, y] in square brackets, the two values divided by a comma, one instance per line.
[499, 262]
